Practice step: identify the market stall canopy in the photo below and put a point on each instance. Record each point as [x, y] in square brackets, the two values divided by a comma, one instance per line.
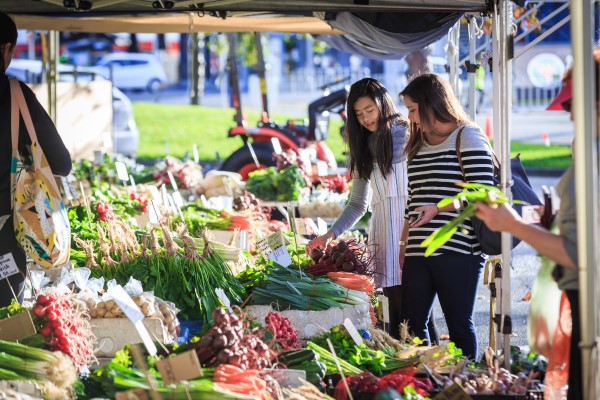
[225, 7]
[173, 23]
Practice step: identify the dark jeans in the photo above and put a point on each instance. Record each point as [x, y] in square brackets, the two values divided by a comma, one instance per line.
[394, 295]
[575, 378]
[453, 278]
[8, 244]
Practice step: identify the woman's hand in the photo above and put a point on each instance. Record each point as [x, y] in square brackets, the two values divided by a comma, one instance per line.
[427, 213]
[320, 242]
[498, 219]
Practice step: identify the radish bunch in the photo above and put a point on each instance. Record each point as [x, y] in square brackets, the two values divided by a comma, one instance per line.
[281, 327]
[64, 326]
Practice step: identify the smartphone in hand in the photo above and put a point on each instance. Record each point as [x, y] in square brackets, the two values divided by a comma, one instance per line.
[419, 217]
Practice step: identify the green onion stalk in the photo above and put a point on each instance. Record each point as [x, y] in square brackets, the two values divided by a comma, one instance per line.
[471, 193]
[18, 361]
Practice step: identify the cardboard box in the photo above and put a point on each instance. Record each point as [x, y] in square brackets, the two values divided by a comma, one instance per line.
[17, 327]
[112, 334]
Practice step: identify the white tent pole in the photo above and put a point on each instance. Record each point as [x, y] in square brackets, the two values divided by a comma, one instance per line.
[472, 56]
[502, 45]
[586, 183]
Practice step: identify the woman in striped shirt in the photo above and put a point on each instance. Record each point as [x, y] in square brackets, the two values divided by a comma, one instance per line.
[377, 134]
[452, 272]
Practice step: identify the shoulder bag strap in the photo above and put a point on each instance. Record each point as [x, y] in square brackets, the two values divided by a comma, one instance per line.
[460, 164]
[17, 93]
[14, 117]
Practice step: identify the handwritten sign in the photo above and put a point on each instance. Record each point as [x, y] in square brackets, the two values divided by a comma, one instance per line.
[182, 367]
[8, 266]
[274, 248]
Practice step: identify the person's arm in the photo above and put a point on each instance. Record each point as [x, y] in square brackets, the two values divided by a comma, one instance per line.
[505, 218]
[354, 210]
[50, 141]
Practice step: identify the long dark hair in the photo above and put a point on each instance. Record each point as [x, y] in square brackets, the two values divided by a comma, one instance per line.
[8, 34]
[435, 99]
[361, 160]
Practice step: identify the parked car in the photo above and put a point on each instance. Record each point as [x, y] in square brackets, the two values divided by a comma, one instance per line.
[133, 71]
[125, 133]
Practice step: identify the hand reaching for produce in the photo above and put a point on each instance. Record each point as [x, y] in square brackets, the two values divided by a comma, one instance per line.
[499, 217]
[320, 242]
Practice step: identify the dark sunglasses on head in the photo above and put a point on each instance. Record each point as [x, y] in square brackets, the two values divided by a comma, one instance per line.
[566, 105]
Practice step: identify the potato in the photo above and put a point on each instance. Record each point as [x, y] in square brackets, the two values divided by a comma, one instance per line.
[138, 300]
[93, 313]
[110, 304]
[101, 305]
[109, 315]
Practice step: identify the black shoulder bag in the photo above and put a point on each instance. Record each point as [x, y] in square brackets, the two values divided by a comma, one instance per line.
[490, 241]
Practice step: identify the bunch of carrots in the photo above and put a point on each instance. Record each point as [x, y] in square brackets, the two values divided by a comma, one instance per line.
[361, 283]
[236, 380]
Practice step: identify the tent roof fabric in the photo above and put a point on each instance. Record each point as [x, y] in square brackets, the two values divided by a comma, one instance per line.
[176, 22]
[123, 7]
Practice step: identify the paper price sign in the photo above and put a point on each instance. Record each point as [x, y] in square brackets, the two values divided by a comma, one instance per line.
[349, 325]
[299, 226]
[8, 266]
[122, 173]
[182, 367]
[276, 240]
[281, 256]
[263, 246]
[135, 315]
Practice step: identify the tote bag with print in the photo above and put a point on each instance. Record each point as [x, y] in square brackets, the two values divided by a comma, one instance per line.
[39, 215]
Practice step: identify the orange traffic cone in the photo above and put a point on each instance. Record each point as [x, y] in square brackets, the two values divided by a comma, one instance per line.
[546, 138]
[488, 127]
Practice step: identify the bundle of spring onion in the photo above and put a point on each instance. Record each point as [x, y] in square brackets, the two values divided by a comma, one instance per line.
[115, 377]
[330, 361]
[53, 370]
[286, 288]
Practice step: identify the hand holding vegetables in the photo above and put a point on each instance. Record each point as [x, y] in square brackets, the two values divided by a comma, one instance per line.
[498, 218]
[320, 242]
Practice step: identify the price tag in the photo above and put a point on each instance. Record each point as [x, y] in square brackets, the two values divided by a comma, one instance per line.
[153, 193]
[243, 240]
[165, 196]
[135, 315]
[8, 266]
[276, 145]
[322, 168]
[133, 394]
[310, 225]
[182, 367]
[299, 226]
[178, 199]
[172, 180]
[453, 392]
[262, 245]
[279, 253]
[195, 152]
[322, 226]
[353, 332]
[281, 256]
[153, 213]
[98, 159]
[122, 173]
[132, 181]
[223, 297]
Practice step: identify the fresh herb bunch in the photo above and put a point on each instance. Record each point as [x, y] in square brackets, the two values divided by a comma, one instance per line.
[471, 194]
[13, 308]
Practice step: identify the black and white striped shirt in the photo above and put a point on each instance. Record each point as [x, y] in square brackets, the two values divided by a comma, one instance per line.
[432, 176]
